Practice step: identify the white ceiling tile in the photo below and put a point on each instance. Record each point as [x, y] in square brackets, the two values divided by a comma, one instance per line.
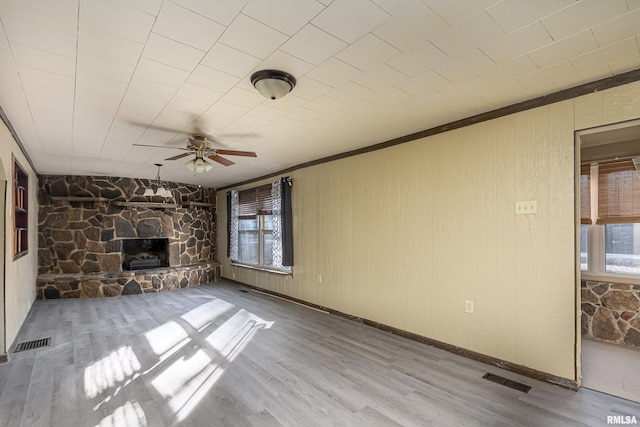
[618, 67]
[43, 60]
[350, 92]
[560, 50]
[349, 20]
[229, 60]
[517, 43]
[325, 104]
[279, 60]
[40, 37]
[467, 35]
[171, 52]
[393, 7]
[212, 79]
[160, 73]
[187, 27]
[389, 97]
[411, 27]
[546, 77]
[191, 108]
[605, 55]
[418, 59]
[104, 67]
[109, 45]
[96, 90]
[423, 83]
[454, 12]
[514, 14]
[44, 78]
[252, 37]
[334, 73]
[243, 97]
[380, 78]
[151, 89]
[57, 15]
[227, 109]
[617, 29]
[152, 7]
[582, 15]
[198, 93]
[368, 52]
[313, 45]
[122, 20]
[222, 11]
[286, 16]
[266, 112]
[498, 73]
[472, 62]
[304, 115]
[308, 88]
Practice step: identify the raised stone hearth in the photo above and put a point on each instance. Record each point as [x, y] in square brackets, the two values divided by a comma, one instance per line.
[87, 226]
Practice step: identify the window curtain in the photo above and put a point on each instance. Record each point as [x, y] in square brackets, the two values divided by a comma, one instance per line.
[234, 209]
[286, 189]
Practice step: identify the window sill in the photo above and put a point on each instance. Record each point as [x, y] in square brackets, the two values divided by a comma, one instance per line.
[265, 269]
[611, 278]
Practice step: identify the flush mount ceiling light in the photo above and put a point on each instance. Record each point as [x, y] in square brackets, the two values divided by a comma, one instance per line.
[161, 189]
[198, 165]
[273, 84]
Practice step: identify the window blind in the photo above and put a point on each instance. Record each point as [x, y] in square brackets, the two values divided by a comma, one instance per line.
[585, 194]
[618, 193]
[255, 201]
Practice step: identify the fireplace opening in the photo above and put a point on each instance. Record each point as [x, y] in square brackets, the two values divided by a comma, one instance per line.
[141, 254]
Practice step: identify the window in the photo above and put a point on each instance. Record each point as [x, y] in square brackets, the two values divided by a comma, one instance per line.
[259, 226]
[612, 244]
[20, 210]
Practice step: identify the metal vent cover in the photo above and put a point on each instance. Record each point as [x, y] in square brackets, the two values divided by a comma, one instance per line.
[507, 382]
[32, 345]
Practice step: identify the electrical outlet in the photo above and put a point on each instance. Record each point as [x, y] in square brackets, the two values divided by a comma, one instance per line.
[468, 306]
[319, 278]
[526, 208]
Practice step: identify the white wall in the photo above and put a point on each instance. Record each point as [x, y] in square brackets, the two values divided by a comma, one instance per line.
[20, 274]
[403, 236]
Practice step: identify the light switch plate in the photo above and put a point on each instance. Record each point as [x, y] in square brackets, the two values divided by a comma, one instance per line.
[526, 208]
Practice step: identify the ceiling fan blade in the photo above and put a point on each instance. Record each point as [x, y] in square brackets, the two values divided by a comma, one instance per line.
[179, 156]
[221, 160]
[160, 146]
[198, 143]
[237, 153]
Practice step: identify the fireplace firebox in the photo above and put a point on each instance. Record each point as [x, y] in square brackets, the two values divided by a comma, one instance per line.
[140, 254]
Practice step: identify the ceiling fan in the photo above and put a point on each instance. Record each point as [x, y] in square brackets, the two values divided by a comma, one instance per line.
[201, 148]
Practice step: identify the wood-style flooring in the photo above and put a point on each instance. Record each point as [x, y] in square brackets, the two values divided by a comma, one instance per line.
[217, 355]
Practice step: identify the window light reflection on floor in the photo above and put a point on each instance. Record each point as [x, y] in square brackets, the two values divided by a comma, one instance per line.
[115, 368]
[188, 380]
[128, 415]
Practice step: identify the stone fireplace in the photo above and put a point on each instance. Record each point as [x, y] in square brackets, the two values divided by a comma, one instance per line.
[91, 228]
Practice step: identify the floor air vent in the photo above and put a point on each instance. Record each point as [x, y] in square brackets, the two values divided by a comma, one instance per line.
[508, 383]
[32, 345]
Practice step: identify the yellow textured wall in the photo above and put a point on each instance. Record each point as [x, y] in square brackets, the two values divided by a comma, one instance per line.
[403, 236]
[20, 274]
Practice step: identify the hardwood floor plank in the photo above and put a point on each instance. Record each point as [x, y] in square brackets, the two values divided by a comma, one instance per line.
[212, 355]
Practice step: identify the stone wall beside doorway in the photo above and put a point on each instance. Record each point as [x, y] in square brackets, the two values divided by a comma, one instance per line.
[611, 312]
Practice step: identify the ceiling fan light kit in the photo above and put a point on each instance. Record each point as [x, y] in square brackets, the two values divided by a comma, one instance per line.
[273, 84]
[198, 165]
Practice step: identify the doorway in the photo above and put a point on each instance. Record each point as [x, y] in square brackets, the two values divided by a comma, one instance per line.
[3, 240]
[609, 258]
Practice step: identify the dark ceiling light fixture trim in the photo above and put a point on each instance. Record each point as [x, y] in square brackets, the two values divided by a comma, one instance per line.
[273, 84]
[563, 95]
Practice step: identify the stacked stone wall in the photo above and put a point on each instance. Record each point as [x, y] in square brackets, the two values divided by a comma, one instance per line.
[79, 237]
[611, 312]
